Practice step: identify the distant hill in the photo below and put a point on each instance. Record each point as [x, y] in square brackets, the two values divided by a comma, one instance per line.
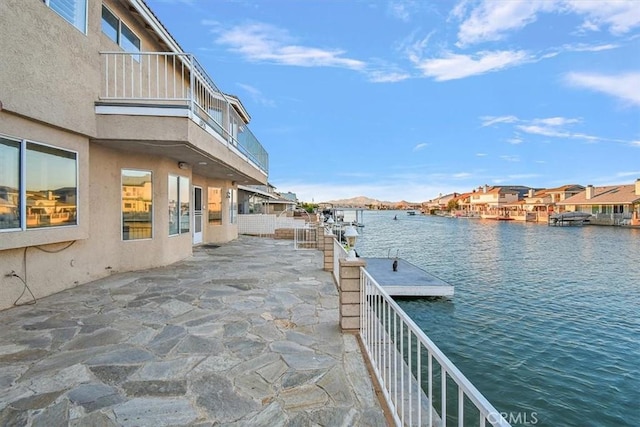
[363, 201]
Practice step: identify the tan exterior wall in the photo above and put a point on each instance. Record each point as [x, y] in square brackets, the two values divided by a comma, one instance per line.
[176, 129]
[59, 87]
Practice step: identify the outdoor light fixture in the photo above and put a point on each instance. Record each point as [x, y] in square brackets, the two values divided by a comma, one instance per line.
[183, 165]
[351, 235]
[330, 222]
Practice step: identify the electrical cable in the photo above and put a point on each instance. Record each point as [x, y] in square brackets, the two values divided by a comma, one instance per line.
[24, 268]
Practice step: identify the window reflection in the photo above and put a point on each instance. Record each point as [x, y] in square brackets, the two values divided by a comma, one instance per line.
[51, 186]
[214, 200]
[179, 200]
[9, 184]
[137, 203]
[184, 196]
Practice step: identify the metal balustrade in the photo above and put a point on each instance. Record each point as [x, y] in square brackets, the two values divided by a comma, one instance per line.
[420, 384]
[177, 79]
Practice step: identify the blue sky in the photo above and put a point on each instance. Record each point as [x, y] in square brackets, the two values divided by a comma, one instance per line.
[406, 99]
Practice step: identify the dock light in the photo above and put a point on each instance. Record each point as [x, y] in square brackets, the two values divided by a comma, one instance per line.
[351, 235]
[330, 223]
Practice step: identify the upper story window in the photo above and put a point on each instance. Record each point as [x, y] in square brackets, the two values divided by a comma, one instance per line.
[74, 11]
[38, 185]
[118, 31]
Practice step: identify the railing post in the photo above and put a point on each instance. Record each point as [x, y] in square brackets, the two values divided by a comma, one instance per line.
[192, 83]
[349, 290]
[326, 243]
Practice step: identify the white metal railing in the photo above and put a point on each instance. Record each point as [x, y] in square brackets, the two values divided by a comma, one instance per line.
[414, 374]
[305, 236]
[178, 79]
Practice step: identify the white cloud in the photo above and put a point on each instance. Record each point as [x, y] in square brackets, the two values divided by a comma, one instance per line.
[402, 9]
[262, 42]
[481, 154]
[515, 140]
[492, 19]
[510, 158]
[619, 16]
[420, 146]
[556, 121]
[455, 66]
[489, 20]
[625, 174]
[635, 144]
[492, 120]
[623, 86]
[387, 76]
[257, 96]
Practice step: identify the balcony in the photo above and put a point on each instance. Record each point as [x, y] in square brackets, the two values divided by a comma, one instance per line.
[175, 85]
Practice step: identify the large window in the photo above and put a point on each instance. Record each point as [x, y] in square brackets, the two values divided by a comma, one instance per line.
[179, 198]
[74, 11]
[38, 185]
[137, 198]
[214, 200]
[118, 31]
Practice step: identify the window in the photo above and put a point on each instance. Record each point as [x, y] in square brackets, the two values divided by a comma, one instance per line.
[214, 200]
[38, 185]
[137, 203]
[9, 184]
[179, 199]
[74, 11]
[233, 205]
[118, 31]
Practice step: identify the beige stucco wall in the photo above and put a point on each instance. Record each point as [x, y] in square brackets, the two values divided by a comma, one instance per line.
[48, 68]
[175, 129]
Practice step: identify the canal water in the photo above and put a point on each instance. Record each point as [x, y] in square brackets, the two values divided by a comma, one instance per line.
[545, 321]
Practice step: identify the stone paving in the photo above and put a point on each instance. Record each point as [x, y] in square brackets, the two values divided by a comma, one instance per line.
[245, 334]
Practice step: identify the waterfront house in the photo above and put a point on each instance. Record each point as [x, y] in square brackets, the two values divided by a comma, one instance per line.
[263, 199]
[539, 203]
[609, 205]
[118, 152]
[493, 202]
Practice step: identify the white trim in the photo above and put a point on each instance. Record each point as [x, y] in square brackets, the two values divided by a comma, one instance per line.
[148, 16]
[143, 111]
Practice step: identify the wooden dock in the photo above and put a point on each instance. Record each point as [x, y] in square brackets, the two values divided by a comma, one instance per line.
[408, 281]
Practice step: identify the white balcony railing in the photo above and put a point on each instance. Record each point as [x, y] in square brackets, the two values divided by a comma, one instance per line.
[177, 79]
[415, 376]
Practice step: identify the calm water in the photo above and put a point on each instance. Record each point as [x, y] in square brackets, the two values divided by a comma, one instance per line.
[545, 321]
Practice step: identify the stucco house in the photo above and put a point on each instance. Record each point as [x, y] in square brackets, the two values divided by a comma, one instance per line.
[493, 200]
[118, 152]
[609, 205]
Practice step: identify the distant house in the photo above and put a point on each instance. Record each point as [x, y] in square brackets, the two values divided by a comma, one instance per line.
[609, 205]
[544, 200]
[493, 199]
